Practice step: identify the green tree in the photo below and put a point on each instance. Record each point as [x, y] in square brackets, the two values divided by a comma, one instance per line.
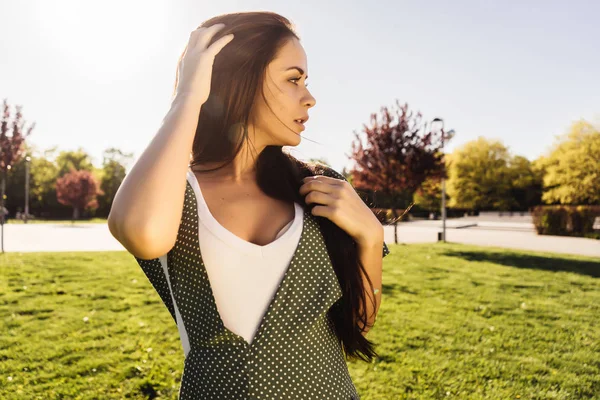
[15, 183]
[113, 172]
[429, 195]
[78, 160]
[480, 176]
[526, 182]
[42, 184]
[572, 167]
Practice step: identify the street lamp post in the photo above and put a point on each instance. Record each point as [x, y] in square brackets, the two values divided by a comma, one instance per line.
[443, 197]
[27, 160]
[450, 134]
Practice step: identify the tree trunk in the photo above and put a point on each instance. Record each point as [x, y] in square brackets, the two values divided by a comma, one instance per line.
[394, 216]
[2, 216]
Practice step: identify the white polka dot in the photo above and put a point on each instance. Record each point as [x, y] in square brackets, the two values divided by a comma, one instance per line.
[295, 353]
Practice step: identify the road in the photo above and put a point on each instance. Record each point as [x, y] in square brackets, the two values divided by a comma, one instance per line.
[515, 235]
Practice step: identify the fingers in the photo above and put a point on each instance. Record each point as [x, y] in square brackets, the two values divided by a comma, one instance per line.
[194, 36]
[312, 185]
[216, 47]
[203, 35]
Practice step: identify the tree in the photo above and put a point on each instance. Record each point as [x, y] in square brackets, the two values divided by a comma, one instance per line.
[44, 172]
[397, 156]
[572, 167]
[526, 182]
[429, 195]
[11, 150]
[79, 190]
[113, 172]
[78, 160]
[480, 176]
[42, 193]
[42, 178]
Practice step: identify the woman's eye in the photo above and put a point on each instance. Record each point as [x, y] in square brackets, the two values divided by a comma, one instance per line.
[297, 79]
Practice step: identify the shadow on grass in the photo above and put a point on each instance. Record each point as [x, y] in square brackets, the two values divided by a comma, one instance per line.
[582, 267]
[393, 288]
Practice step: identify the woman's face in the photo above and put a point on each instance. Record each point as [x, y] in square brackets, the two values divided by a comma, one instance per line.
[287, 95]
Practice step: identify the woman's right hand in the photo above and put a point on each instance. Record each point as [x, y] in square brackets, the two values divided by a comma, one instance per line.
[196, 64]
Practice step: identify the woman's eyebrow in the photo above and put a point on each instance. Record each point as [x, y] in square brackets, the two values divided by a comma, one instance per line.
[299, 70]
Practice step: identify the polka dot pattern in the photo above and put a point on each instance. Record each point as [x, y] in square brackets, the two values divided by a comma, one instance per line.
[295, 353]
[156, 276]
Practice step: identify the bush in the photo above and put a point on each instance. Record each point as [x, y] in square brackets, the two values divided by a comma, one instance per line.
[565, 220]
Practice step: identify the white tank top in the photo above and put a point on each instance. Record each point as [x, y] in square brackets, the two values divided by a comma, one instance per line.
[243, 276]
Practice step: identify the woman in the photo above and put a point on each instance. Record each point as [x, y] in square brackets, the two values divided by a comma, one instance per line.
[267, 267]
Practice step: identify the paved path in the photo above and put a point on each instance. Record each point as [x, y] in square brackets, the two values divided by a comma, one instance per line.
[97, 237]
[489, 233]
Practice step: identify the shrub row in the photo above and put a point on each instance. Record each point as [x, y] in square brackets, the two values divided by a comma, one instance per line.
[563, 220]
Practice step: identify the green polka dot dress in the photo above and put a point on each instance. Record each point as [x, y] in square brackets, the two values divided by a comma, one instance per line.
[295, 353]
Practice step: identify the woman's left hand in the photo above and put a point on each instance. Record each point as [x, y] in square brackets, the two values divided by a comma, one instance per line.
[337, 200]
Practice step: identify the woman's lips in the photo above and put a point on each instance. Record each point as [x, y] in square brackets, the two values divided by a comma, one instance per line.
[300, 125]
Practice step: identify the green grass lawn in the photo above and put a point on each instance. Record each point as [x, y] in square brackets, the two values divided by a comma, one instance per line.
[456, 322]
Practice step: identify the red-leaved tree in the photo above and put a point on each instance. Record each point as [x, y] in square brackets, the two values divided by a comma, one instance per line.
[78, 189]
[11, 150]
[398, 155]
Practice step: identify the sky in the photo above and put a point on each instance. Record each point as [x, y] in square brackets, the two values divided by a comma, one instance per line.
[95, 75]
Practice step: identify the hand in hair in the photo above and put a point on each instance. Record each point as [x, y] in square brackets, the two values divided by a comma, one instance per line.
[194, 73]
[337, 200]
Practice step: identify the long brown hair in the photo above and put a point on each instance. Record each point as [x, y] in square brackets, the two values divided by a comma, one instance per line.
[238, 73]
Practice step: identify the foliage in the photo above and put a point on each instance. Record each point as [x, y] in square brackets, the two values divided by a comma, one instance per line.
[573, 167]
[48, 166]
[484, 176]
[525, 182]
[397, 155]
[11, 147]
[565, 220]
[42, 178]
[79, 190]
[479, 176]
[113, 173]
[78, 160]
[429, 195]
